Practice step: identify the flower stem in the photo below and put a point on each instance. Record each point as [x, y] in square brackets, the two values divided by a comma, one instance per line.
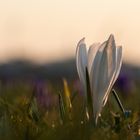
[118, 100]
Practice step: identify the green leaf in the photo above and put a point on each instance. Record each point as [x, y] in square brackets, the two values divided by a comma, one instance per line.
[61, 107]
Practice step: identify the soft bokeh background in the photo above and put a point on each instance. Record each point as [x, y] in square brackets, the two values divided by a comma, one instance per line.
[48, 30]
[41, 96]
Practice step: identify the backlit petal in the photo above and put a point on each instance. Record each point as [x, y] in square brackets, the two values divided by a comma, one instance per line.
[103, 74]
[81, 62]
[119, 62]
[91, 55]
[117, 71]
[94, 77]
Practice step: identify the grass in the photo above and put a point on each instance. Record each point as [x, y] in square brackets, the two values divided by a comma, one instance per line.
[43, 111]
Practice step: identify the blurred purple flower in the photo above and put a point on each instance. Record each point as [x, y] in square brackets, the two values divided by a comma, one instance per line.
[77, 87]
[42, 95]
[125, 84]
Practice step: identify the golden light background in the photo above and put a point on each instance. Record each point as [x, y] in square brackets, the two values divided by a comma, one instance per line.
[48, 30]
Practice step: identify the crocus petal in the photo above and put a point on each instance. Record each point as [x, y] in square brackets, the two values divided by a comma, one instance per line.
[117, 71]
[81, 62]
[91, 55]
[94, 77]
[95, 65]
[104, 73]
[119, 62]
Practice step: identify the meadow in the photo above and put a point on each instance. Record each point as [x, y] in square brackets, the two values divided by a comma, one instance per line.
[50, 110]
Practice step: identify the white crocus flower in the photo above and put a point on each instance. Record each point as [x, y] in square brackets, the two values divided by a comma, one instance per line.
[103, 62]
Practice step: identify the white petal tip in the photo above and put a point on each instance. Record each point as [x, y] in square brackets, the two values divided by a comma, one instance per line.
[82, 41]
[111, 38]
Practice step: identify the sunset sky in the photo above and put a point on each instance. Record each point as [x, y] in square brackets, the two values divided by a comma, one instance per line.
[48, 30]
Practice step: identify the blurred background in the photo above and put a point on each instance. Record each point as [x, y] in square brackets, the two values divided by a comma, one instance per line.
[39, 38]
[39, 85]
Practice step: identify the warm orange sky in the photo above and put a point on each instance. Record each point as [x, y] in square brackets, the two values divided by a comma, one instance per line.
[48, 30]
